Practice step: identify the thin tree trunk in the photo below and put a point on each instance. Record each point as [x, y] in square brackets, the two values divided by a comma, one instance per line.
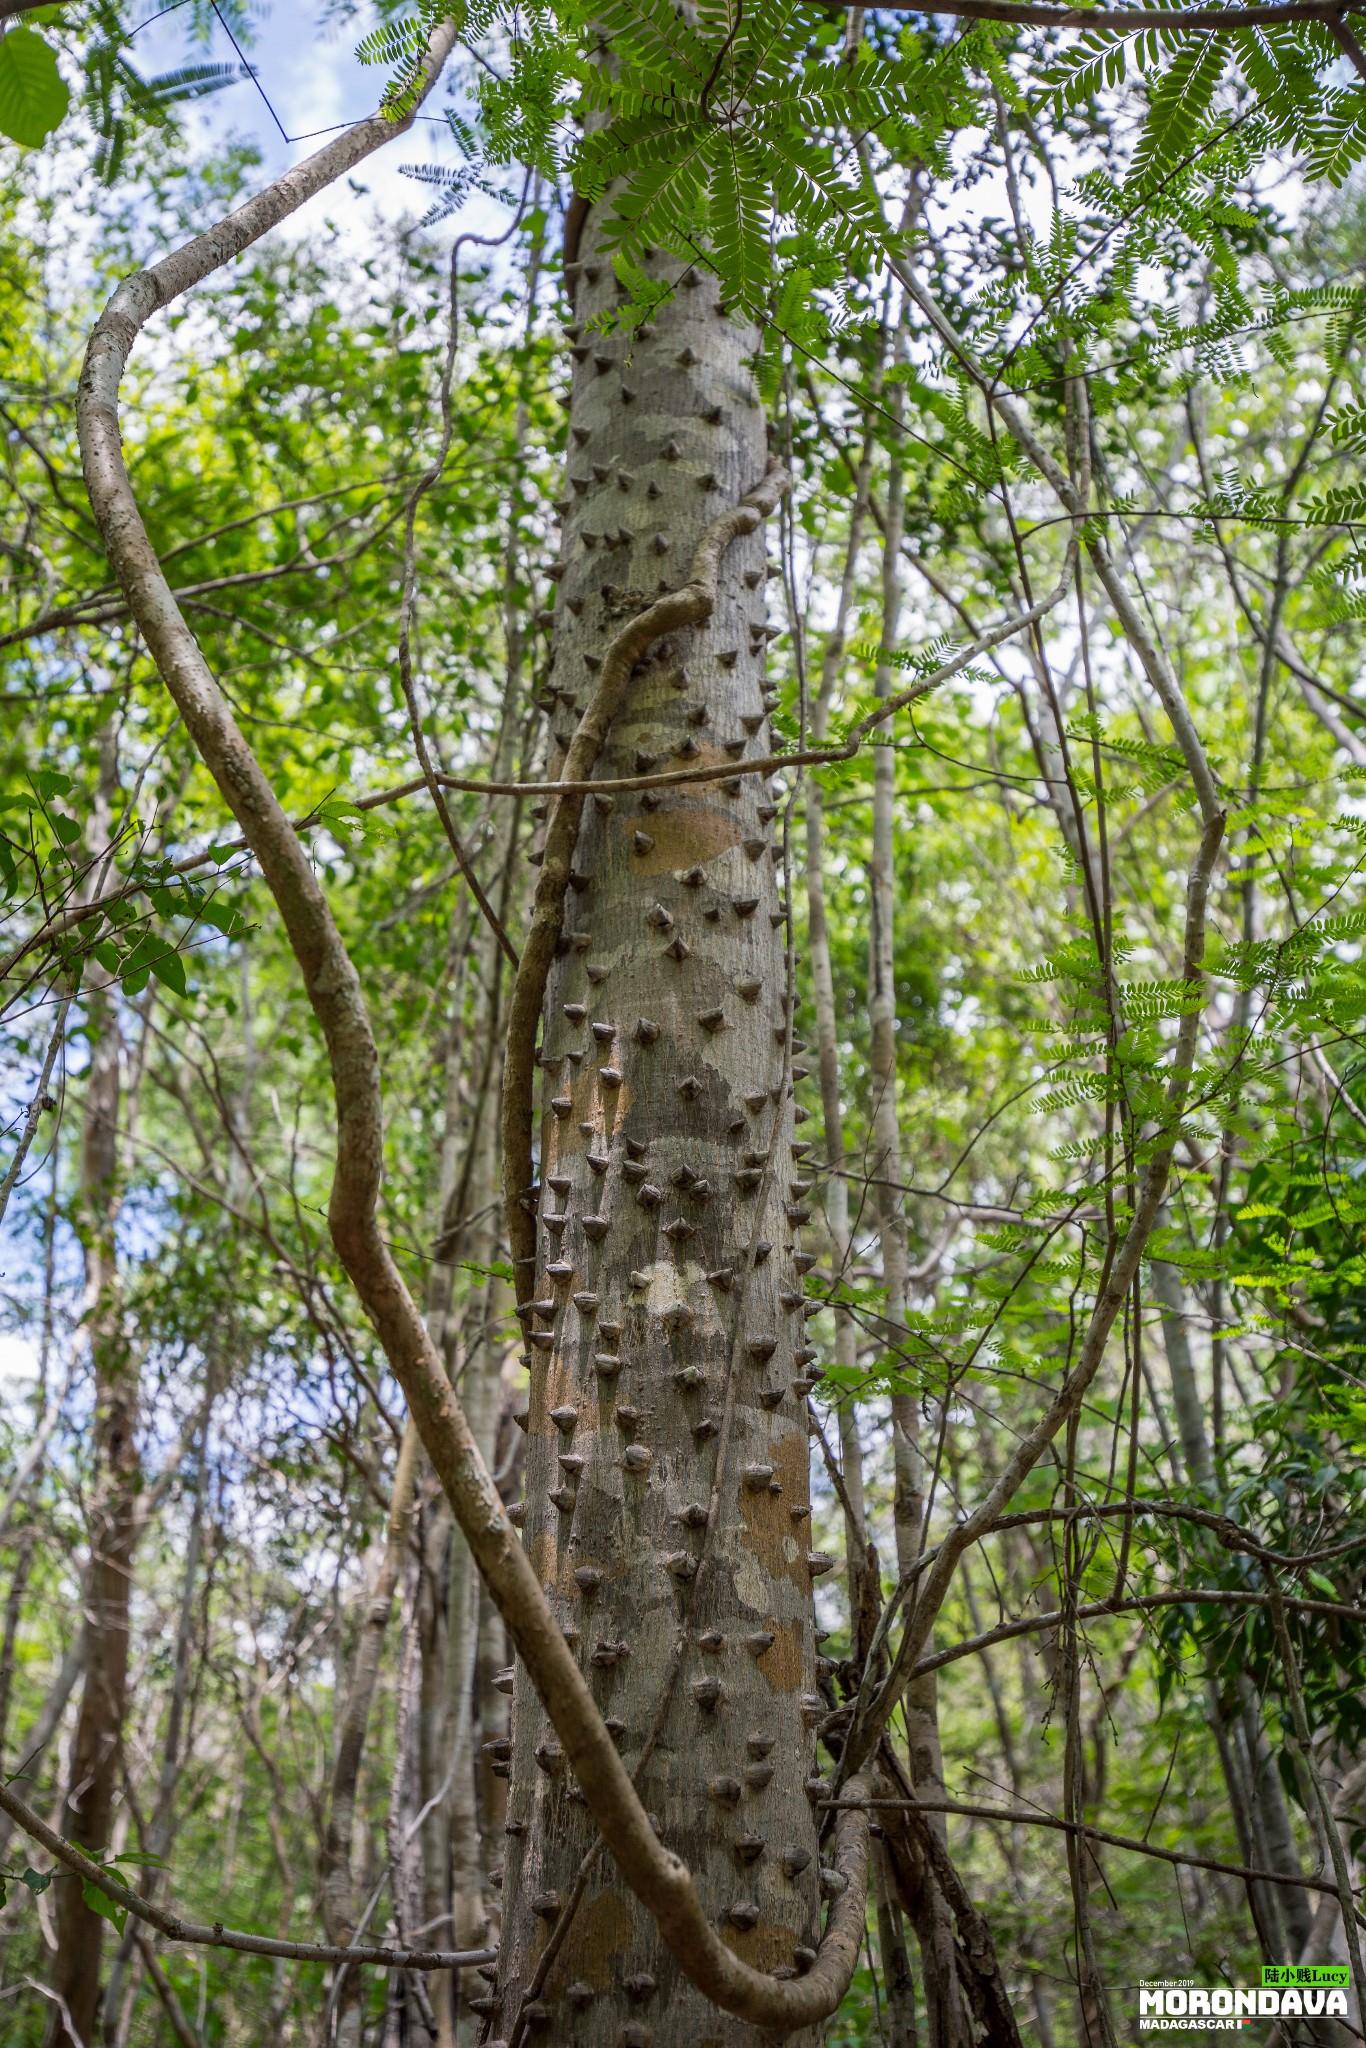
[948, 2023]
[1190, 1413]
[861, 1559]
[338, 1887]
[13, 1604]
[1274, 1814]
[481, 1381]
[159, 1831]
[480, 1387]
[431, 1730]
[96, 1754]
[1280, 1913]
[897, 1983]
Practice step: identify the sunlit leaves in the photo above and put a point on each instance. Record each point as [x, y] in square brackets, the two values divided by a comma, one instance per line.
[33, 94]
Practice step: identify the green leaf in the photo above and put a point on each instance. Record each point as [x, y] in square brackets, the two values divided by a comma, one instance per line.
[100, 1902]
[1180, 102]
[36, 1880]
[169, 969]
[221, 916]
[33, 94]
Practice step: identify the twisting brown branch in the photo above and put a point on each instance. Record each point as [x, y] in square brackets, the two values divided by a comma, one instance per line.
[659, 1878]
[690, 605]
[191, 1932]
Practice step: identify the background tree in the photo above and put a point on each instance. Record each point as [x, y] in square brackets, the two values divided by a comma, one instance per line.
[1055, 759]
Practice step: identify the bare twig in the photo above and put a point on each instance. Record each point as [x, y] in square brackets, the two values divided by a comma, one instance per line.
[39, 1103]
[1030, 1817]
[659, 1878]
[176, 1928]
[1126, 20]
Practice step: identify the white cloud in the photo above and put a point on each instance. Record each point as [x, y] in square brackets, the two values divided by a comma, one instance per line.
[314, 83]
[18, 1361]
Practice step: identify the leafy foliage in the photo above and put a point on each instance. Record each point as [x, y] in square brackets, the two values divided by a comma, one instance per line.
[33, 94]
[1105, 228]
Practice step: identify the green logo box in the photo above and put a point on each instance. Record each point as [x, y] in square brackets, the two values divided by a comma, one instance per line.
[1306, 1973]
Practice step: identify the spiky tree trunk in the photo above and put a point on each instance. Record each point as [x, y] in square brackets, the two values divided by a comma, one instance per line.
[667, 1503]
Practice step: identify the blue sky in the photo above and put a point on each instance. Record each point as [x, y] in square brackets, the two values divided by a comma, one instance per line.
[306, 67]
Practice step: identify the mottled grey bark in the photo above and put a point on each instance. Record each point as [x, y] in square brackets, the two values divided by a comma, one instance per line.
[1190, 1412]
[338, 1877]
[865, 1592]
[1274, 1816]
[480, 1388]
[656, 1373]
[452, 1834]
[431, 1733]
[96, 1752]
[898, 1986]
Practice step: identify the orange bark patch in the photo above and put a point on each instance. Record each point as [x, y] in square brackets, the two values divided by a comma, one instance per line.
[602, 1931]
[683, 837]
[782, 1666]
[612, 1105]
[557, 1390]
[767, 1523]
[792, 1464]
[771, 1536]
[561, 1138]
[763, 1947]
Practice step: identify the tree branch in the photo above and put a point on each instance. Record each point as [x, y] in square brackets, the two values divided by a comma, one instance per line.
[175, 1928]
[1139, 1603]
[1030, 1818]
[659, 1878]
[1122, 20]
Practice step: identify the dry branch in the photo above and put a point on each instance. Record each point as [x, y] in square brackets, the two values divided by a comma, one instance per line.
[1030, 1817]
[658, 1877]
[192, 1932]
[1123, 20]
